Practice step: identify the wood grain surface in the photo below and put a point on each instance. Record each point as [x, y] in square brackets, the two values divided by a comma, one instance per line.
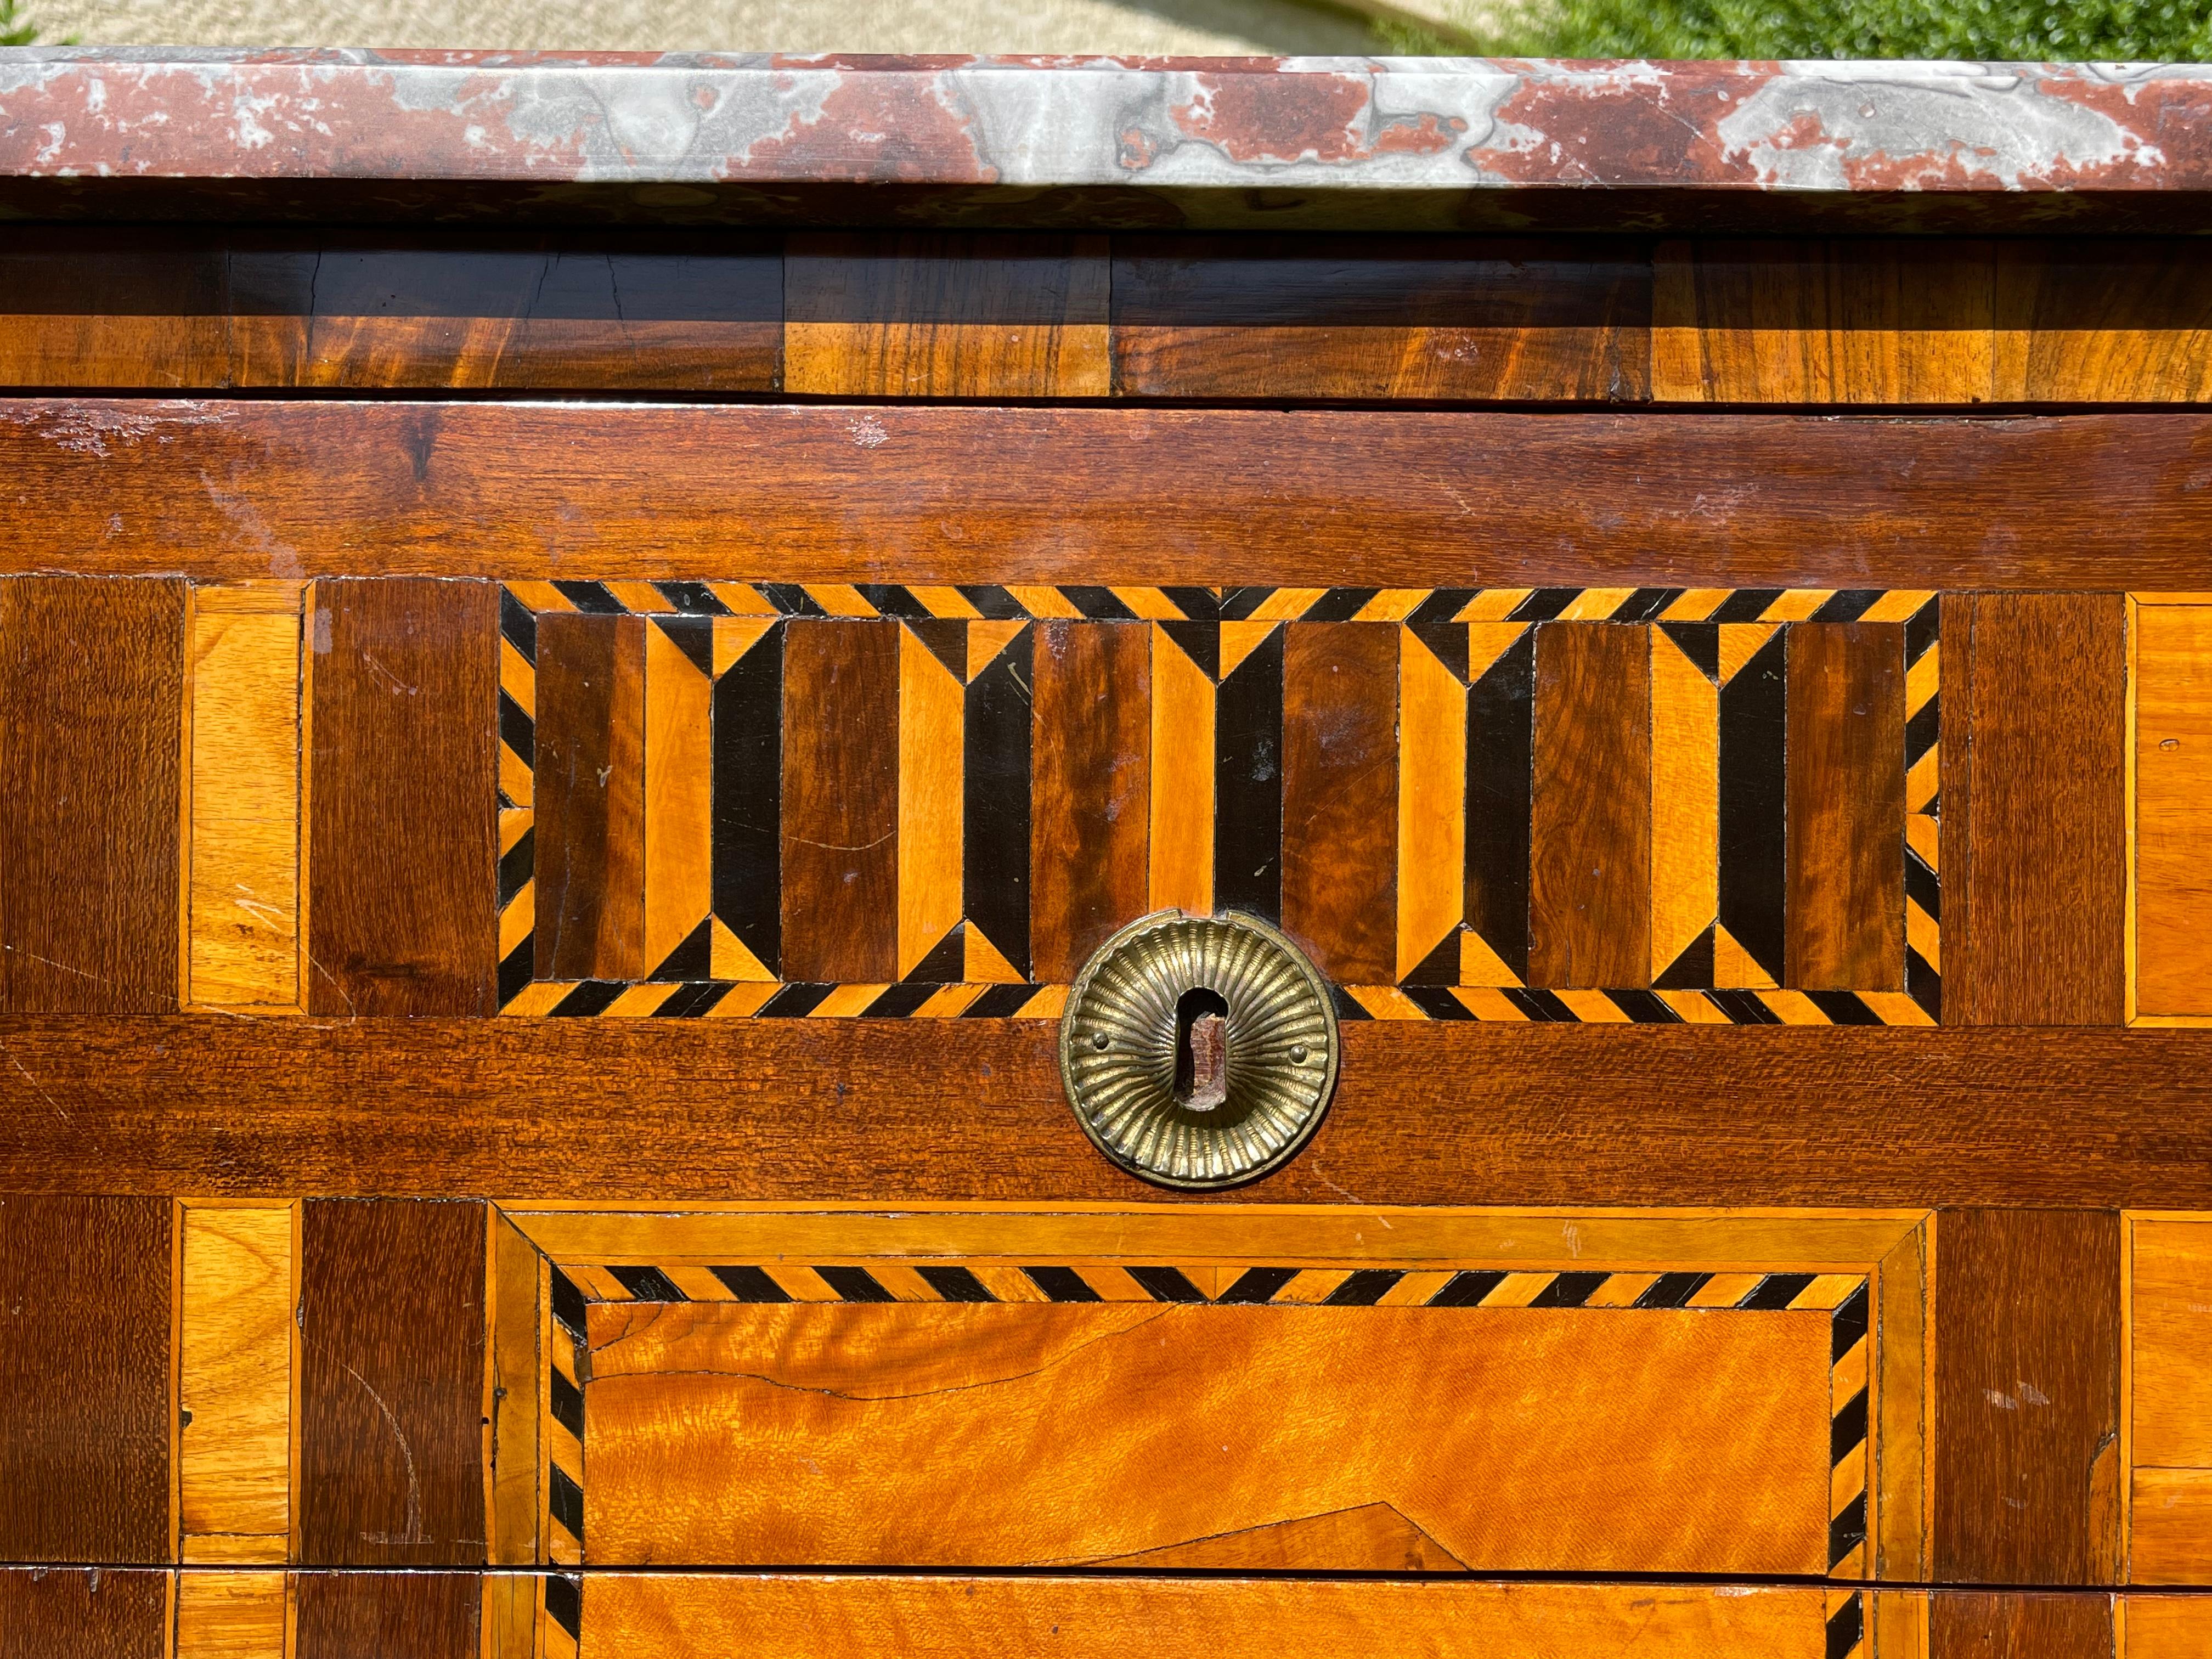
[1310, 498]
[2169, 1526]
[2029, 319]
[2169, 1339]
[1373, 316]
[1867, 320]
[2026, 1475]
[391, 1615]
[589, 791]
[1589, 864]
[1424, 1112]
[946, 316]
[2102, 320]
[392, 1385]
[195, 310]
[91, 698]
[84, 1447]
[1090, 790]
[2164, 1627]
[2034, 792]
[2016, 1625]
[2172, 760]
[1846, 863]
[1340, 797]
[101, 1614]
[688, 1616]
[403, 825]
[953, 1435]
[234, 1382]
[841, 769]
[1880, 320]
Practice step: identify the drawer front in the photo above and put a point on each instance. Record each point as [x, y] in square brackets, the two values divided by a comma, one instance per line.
[537, 936]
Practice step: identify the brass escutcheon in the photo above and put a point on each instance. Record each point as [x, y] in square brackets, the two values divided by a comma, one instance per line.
[1199, 1051]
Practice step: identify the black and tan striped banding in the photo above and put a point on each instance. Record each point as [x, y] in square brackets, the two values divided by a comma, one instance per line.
[522, 995]
[560, 1616]
[1844, 1297]
[1846, 1625]
[1418, 606]
[562, 1424]
[1634, 1007]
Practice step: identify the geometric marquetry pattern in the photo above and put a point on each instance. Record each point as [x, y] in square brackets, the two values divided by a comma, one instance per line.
[1844, 1297]
[726, 800]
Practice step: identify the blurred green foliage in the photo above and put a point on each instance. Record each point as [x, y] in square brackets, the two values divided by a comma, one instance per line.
[2019, 31]
[14, 31]
[2013, 31]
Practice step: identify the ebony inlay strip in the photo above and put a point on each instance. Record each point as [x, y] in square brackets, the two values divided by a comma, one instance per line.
[1500, 771]
[1248, 782]
[997, 743]
[748, 816]
[1754, 728]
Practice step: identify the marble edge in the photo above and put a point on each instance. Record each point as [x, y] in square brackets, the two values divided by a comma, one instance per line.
[1023, 124]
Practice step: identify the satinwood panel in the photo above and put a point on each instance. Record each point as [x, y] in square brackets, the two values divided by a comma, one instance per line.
[958, 1435]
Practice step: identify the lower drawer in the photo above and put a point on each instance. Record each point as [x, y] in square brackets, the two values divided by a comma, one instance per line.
[1485, 1392]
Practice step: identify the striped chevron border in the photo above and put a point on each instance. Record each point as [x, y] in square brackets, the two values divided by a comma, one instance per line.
[994, 603]
[1632, 1007]
[1844, 1297]
[522, 602]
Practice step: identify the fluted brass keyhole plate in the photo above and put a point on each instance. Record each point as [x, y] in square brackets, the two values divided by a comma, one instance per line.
[1128, 1024]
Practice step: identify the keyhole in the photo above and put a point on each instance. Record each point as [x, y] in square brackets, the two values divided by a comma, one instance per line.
[1201, 1080]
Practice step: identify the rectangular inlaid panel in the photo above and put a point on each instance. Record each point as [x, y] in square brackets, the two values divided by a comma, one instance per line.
[401, 819]
[2169, 1405]
[983, 1390]
[244, 782]
[92, 678]
[1552, 805]
[238, 1288]
[85, 1443]
[96, 1614]
[2172, 757]
[964, 1434]
[2026, 1471]
[2162, 1627]
[392, 1392]
[2033, 781]
[233, 1615]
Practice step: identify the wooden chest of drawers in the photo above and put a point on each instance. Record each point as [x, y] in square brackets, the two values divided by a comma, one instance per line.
[578, 721]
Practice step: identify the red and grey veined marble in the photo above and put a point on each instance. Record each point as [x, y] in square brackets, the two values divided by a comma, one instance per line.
[1409, 141]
